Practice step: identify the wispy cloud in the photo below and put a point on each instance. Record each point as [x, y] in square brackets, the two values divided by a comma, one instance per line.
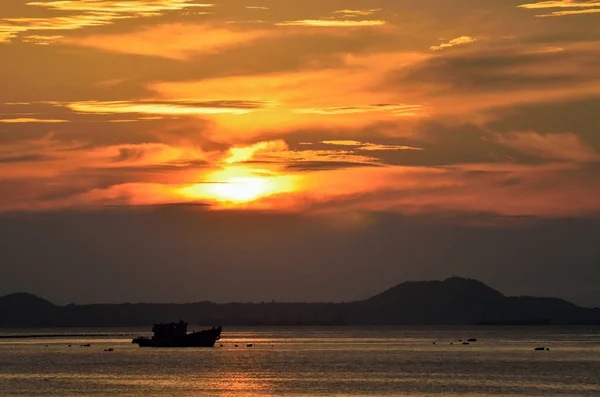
[400, 110]
[589, 7]
[176, 41]
[332, 23]
[40, 40]
[172, 108]
[357, 145]
[245, 153]
[571, 12]
[561, 4]
[454, 42]
[563, 146]
[357, 13]
[133, 7]
[301, 100]
[88, 13]
[278, 151]
[31, 120]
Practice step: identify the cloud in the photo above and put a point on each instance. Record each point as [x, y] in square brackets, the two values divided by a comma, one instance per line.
[31, 120]
[132, 7]
[370, 146]
[494, 77]
[454, 42]
[173, 102]
[298, 97]
[588, 7]
[278, 152]
[572, 12]
[72, 158]
[246, 153]
[175, 41]
[331, 23]
[399, 109]
[172, 108]
[565, 146]
[357, 13]
[87, 13]
[40, 40]
[314, 180]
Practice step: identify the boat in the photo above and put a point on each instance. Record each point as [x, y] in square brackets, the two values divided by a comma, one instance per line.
[176, 335]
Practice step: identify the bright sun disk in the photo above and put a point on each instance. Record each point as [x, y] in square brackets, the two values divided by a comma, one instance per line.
[241, 189]
[239, 185]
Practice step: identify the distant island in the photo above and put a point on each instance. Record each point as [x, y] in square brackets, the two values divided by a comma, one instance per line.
[454, 301]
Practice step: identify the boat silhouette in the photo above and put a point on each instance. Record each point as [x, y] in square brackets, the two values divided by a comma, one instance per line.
[176, 335]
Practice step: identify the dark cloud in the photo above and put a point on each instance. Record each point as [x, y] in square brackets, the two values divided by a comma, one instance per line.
[325, 165]
[489, 71]
[579, 116]
[24, 158]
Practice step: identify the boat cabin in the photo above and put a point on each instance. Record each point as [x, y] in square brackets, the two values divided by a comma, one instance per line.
[170, 331]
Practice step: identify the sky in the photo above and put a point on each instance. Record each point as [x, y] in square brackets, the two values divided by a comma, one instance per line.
[238, 150]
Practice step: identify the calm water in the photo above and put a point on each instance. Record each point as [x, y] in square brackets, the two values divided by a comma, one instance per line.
[324, 361]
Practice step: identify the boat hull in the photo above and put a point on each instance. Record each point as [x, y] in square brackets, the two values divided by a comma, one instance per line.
[205, 338]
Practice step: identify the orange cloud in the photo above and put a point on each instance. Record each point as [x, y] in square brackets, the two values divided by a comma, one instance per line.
[561, 4]
[563, 146]
[571, 12]
[241, 154]
[589, 7]
[298, 98]
[176, 41]
[31, 120]
[87, 13]
[332, 23]
[250, 180]
[173, 108]
[48, 158]
[356, 13]
[400, 110]
[369, 146]
[454, 42]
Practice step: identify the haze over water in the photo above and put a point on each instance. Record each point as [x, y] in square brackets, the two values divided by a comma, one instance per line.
[315, 361]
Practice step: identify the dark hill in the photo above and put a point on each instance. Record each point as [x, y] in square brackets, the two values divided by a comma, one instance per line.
[452, 301]
[26, 310]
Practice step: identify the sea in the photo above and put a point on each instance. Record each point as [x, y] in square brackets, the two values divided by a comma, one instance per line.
[309, 361]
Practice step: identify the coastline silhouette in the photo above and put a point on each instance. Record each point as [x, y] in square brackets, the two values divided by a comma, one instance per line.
[454, 301]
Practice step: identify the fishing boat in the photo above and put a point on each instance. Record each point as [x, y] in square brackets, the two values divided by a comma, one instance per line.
[176, 335]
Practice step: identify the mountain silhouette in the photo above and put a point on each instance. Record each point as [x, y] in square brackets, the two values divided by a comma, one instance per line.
[454, 301]
[26, 310]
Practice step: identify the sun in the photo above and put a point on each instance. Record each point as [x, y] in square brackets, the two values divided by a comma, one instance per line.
[238, 186]
[241, 190]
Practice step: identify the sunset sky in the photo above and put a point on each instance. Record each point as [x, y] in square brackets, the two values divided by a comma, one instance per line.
[297, 141]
